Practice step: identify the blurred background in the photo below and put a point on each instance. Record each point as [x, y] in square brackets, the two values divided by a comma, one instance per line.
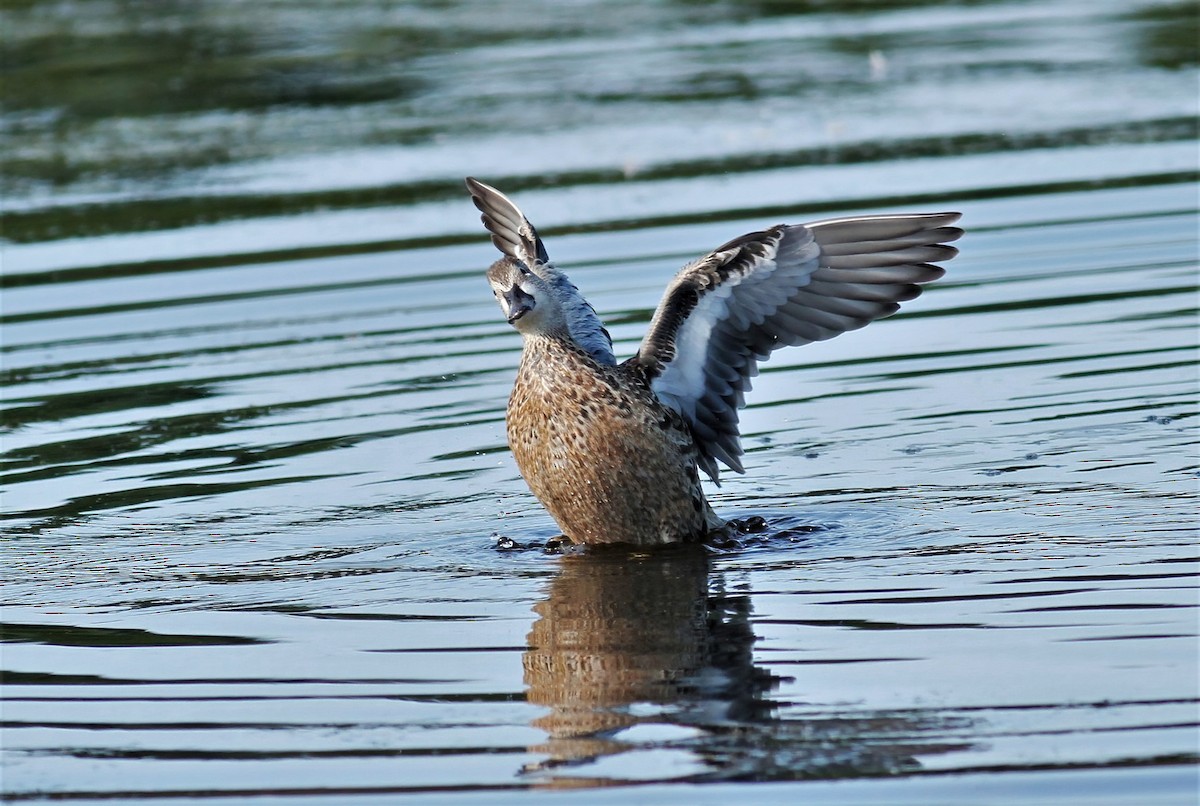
[124, 117]
[254, 467]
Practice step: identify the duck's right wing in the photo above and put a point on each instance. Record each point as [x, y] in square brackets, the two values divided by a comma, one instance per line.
[787, 285]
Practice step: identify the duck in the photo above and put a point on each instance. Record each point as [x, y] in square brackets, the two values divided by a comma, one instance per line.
[614, 450]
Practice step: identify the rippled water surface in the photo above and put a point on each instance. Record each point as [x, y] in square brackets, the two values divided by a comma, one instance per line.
[254, 469]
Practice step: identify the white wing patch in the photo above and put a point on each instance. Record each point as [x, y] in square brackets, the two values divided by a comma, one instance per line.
[682, 382]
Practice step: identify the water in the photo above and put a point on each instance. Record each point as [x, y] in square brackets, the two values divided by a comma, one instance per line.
[254, 462]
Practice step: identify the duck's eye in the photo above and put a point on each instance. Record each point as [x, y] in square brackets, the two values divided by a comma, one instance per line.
[524, 271]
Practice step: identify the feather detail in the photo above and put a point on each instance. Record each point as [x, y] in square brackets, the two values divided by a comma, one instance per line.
[510, 230]
[787, 285]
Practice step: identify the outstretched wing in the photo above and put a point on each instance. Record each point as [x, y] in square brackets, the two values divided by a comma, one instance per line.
[511, 231]
[515, 236]
[787, 285]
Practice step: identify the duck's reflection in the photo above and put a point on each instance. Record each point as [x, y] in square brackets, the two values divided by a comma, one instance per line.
[625, 639]
[621, 633]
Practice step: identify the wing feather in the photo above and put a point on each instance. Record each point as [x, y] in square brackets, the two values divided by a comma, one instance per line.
[787, 285]
[871, 292]
[941, 234]
[510, 230]
[898, 257]
[869, 229]
[914, 273]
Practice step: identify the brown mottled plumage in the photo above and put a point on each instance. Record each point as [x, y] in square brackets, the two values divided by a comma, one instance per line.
[608, 460]
[613, 450]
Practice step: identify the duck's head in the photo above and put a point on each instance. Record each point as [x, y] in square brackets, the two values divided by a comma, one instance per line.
[528, 302]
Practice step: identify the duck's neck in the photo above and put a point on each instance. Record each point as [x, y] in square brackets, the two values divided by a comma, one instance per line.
[554, 354]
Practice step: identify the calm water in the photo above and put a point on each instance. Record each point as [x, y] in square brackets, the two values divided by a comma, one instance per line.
[254, 469]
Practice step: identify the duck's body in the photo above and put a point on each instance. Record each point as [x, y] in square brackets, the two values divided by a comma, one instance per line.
[613, 451]
[608, 460]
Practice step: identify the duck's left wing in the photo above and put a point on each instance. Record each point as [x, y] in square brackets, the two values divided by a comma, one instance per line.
[783, 286]
[510, 229]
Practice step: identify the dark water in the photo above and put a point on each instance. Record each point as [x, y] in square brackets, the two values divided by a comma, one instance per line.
[254, 465]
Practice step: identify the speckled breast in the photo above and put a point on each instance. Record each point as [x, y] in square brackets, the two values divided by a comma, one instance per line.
[608, 461]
